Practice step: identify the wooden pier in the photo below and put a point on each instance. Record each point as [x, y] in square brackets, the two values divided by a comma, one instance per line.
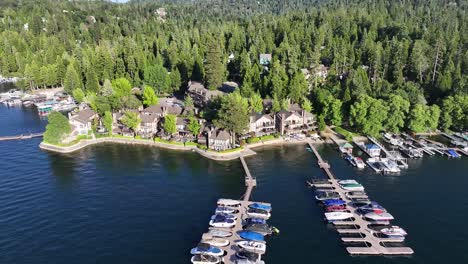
[374, 244]
[21, 137]
[241, 215]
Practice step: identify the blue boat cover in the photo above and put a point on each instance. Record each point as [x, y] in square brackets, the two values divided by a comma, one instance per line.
[372, 146]
[255, 221]
[331, 202]
[260, 206]
[250, 235]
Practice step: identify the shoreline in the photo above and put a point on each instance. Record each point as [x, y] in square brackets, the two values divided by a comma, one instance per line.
[219, 156]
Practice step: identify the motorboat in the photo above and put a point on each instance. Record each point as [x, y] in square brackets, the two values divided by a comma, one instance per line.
[222, 222]
[263, 229]
[219, 233]
[390, 165]
[251, 235]
[245, 254]
[260, 206]
[393, 139]
[319, 181]
[352, 195]
[337, 216]
[325, 195]
[206, 249]
[229, 216]
[371, 149]
[224, 210]
[349, 158]
[214, 241]
[336, 208]
[258, 213]
[375, 164]
[452, 153]
[331, 202]
[249, 221]
[205, 259]
[359, 202]
[372, 207]
[350, 185]
[379, 216]
[252, 246]
[411, 152]
[393, 231]
[228, 203]
[359, 163]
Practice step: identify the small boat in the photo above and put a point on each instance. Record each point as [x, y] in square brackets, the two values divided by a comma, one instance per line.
[258, 213]
[249, 221]
[219, 233]
[390, 165]
[351, 185]
[335, 208]
[359, 163]
[372, 207]
[319, 181]
[222, 222]
[214, 241]
[244, 254]
[393, 231]
[252, 246]
[352, 195]
[331, 202]
[224, 210]
[206, 249]
[325, 195]
[337, 216]
[228, 202]
[260, 206]
[379, 217]
[251, 235]
[263, 229]
[205, 259]
[452, 153]
[229, 216]
[349, 158]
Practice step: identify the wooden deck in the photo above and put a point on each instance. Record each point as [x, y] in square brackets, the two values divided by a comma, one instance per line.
[374, 244]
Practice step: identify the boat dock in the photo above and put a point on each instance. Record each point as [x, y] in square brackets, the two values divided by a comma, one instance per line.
[374, 245]
[241, 214]
[387, 153]
[21, 137]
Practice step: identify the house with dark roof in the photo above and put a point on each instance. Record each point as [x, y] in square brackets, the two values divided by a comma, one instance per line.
[82, 121]
[294, 121]
[262, 124]
[202, 96]
[148, 125]
[220, 140]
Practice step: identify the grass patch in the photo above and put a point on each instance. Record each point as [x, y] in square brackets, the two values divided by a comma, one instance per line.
[347, 134]
[258, 139]
[160, 140]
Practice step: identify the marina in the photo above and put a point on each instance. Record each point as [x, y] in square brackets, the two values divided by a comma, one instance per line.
[373, 245]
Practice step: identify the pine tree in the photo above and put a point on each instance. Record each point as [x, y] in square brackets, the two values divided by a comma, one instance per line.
[72, 79]
[214, 67]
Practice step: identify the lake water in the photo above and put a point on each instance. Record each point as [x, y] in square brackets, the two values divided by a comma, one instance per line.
[129, 204]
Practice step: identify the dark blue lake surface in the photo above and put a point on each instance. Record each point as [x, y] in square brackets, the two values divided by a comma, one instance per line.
[128, 204]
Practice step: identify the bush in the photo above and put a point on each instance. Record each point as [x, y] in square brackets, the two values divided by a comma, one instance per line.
[348, 135]
[57, 128]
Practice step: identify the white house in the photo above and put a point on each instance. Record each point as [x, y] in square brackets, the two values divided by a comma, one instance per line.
[82, 121]
[262, 124]
[220, 140]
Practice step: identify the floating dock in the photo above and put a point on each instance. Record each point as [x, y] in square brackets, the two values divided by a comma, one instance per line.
[231, 249]
[374, 244]
[20, 137]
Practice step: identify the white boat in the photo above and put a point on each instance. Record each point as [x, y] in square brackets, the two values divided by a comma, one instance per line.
[222, 222]
[379, 216]
[337, 216]
[252, 246]
[214, 241]
[206, 249]
[390, 166]
[205, 259]
[350, 185]
[219, 233]
[393, 231]
[228, 202]
[229, 216]
[359, 162]
[393, 139]
[258, 213]
[224, 210]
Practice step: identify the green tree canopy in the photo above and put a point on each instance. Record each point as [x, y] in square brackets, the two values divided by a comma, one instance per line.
[131, 120]
[256, 103]
[57, 128]
[368, 115]
[72, 79]
[214, 67]
[79, 95]
[397, 113]
[170, 124]
[193, 126]
[107, 121]
[234, 113]
[149, 96]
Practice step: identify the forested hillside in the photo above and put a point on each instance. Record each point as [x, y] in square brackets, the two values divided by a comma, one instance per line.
[392, 64]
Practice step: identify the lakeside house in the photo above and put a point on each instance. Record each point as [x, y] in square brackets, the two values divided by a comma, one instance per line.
[294, 121]
[149, 125]
[82, 121]
[220, 139]
[202, 96]
[262, 124]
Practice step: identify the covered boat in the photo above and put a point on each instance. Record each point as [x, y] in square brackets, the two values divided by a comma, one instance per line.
[222, 222]
[351, 185]
[254, 221]
[263, 229]
[393, 231]
[230, 216]
[335, 208]
[224, 210]
[251, 235]
[228, 202]
[214, 241]
[331, 202]
[244, 254]
[452, 153]
[219, 233]
[258, 213]
[326, 195]
[337, 216]
[206, 249]
[252, 246]
[260, 206]
[205, 259]
[372, 207]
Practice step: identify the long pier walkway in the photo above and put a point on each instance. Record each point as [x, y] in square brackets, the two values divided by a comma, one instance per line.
[250, 181]
[22, 136]
[374, 244]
